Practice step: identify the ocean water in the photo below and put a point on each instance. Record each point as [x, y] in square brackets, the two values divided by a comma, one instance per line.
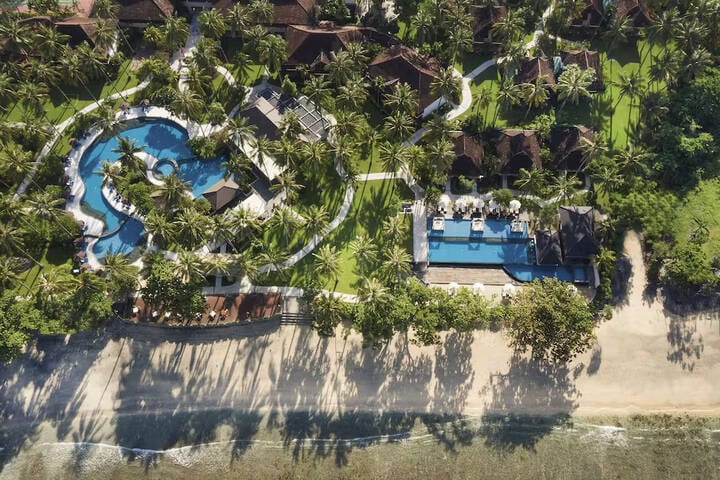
[459, 447]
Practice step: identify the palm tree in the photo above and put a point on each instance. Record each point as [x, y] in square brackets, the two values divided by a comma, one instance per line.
[448, 85]
[394, 228]
[327, 262]
[605, 260]
[396, 264]
[162, 230]
[190, 268]
[262, 146]
[187, 104]
[244, 223]
[510, 27]
[45, 206]
[317, 221]
[402, 98]
[630, 85]
[341, 68]
[15, 162]
[327, 314]
[11, 242]
[398, 125]
[565, 186]
[272, 53]
[218, 265]
[633, 159]
[120, 272]
[353, 94]
[53, 283]
[241, 130]
[238, 18]
[317, 90]
[617, 32]
[246, 265]
[573, 84]
[592, 149]
[291, 126]
[606, 179]
[315, 156]
[32, 97]
[212, 23]
[128, 156]
[239, 166]
[261, 11]
[441, 154]
[508, 95]
[695, 62]
[9, 277]
[533, 181]
[177, 31]
[192, 226]
[392, 155]
[8, 89]
[534, 94]
[364, 251]
[285, 221]
[287, 184]
[372, 292]
[173, 190]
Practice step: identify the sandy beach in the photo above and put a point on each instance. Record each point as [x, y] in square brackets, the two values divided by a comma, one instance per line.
[147, 387]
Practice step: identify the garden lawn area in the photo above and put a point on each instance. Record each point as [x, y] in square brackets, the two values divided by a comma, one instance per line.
[470, 61]
[52, 258]
[374, 201]
[701, 206]
[326, 189]
[57, 107]
[614, 114]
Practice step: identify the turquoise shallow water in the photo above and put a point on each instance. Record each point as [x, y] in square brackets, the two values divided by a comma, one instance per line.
[160, 138]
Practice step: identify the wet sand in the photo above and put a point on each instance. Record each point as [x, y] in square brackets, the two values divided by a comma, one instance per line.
[144, 387]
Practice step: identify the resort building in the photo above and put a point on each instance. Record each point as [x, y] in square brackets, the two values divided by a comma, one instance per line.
[285, 12]
[532, 69]
[265, 117]
[590, 20]
[577, 234]
[585, 59]
[567, 147]
[548, 249]
[469, 155]
[402, 64]
[141, 13]
[79, 29]
[484, 18]
[636, 11]
[515, 150]
[313, 47]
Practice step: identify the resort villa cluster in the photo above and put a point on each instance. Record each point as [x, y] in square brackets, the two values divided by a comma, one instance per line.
[262, 134]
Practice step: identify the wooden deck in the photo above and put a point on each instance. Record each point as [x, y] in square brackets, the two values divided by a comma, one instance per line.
[467, 275]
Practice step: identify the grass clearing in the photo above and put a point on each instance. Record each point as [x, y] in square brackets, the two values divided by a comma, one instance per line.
[374, 201]
[701, 207]
[53, 257]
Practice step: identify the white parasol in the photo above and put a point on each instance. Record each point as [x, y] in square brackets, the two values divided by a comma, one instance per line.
[478, 288]
[453, 288]
[444, 200]
[515, 204]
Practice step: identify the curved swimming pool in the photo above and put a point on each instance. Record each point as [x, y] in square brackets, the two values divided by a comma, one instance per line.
[160, 138]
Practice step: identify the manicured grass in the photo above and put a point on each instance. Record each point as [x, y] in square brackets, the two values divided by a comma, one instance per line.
[470, 61]
[52, 258]
[57, 107]
[374, 201]
[703, 205]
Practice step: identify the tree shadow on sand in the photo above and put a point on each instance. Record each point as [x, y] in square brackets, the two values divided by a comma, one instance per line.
[527, 402]
[684, 346]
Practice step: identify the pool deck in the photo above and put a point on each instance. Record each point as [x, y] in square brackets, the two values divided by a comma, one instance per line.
[420, 234]
[436, 275]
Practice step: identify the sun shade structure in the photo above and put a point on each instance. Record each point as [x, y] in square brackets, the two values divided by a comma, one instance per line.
[484, 18]
[577, 233]
[221, 193]
[265, 117]
[402, 64]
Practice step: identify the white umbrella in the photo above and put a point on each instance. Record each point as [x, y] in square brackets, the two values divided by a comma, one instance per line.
[460, 203]
[493, 205]
[453, 288]
[444, 200]
[478, 288]
[469, 200]
[479, 203]
[508, 290]
[515, 204]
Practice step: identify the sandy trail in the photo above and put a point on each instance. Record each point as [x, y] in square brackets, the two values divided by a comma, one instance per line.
[132, 382]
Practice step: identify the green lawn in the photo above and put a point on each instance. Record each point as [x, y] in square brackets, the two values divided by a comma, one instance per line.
[57, 107]
[703, 205]
[374, 201]
[52, 258]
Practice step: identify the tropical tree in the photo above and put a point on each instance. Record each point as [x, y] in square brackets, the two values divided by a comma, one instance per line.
[317, 90]
[285, 221]
[315, 156]
[372, 292]
[534, 94]
[573, 84]
[364, 251]
[341, 68]
[121, 275]
[398, 125]
[187, 103]
[402, 98]
[239, 166]
[395, 228]
[510, 27]
[192, 227]
[396, 264]
[271, 51]
[246, 265]
[287, 184]
[392, 155]
[327, 312]
[448, 85]
[353, 94]
[176, 32]
[173, 190]
[564, 186]
[9, 277]
[212, 23]
[190, 267]
[15, 162]
[241, 130]
[160, 227]
[318, 220]
[533, 181]
[127, 152]
[327, 262]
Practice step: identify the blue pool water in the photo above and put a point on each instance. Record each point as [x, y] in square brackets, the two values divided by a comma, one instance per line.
[161, 139]
[165, 168]
[496, 245]
[123, 240]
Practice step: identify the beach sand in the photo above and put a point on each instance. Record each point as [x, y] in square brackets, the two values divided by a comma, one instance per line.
[146, 387]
